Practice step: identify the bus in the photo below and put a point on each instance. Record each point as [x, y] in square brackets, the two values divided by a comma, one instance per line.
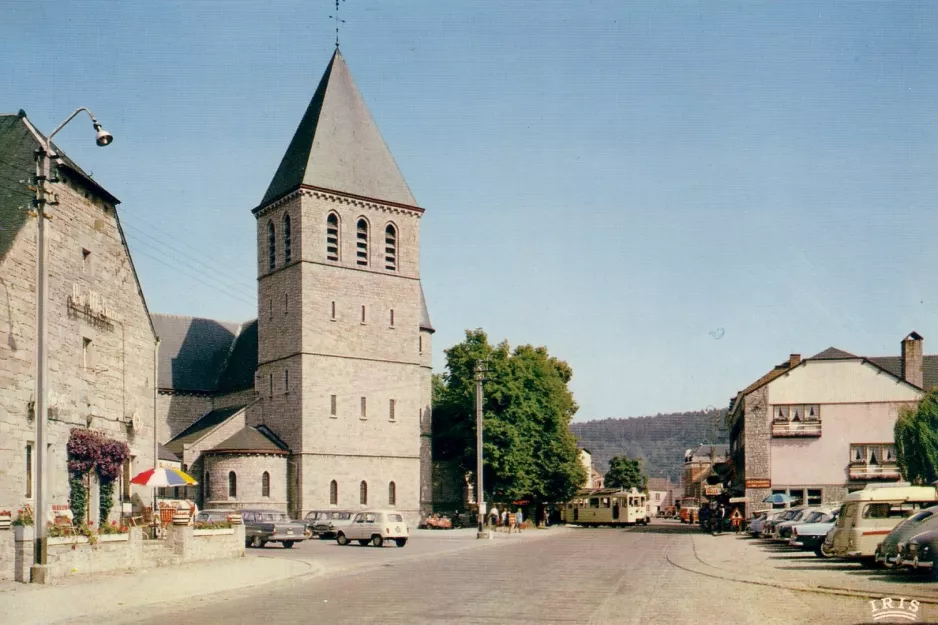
[607, 506]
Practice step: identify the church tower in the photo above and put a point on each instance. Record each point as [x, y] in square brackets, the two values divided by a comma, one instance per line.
[343, 374]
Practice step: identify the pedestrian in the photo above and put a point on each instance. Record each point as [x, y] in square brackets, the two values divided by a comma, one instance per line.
[737, 519]
[519, 519]
[493, 518]
[512, 520]
[505, 516]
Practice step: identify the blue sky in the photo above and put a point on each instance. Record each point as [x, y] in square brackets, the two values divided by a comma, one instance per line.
[621, 182]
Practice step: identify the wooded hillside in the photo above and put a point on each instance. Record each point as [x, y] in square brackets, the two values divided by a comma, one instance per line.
[660, 440]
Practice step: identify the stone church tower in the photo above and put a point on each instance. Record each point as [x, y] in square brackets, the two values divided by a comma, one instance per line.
[343, 370]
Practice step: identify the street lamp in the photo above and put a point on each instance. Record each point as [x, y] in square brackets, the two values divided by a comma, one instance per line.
[43, 174]
[480, 376]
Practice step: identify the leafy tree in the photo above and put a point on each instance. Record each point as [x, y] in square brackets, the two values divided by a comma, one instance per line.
[529, 452]
[626, 473]
[916, 436]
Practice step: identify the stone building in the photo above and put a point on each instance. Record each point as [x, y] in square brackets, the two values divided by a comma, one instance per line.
[101, 343]
[818, 428]
[335, 372]
[697, 466]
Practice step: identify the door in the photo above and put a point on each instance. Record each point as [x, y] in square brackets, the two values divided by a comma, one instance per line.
[354, 529]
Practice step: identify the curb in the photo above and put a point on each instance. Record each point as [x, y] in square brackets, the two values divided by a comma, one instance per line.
[822, 590]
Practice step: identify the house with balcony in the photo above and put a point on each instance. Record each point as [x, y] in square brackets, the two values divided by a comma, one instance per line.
[820, 427]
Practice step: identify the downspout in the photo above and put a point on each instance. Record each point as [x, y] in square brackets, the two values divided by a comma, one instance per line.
[156, 386]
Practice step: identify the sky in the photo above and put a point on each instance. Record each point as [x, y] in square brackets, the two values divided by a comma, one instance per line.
[672, 197]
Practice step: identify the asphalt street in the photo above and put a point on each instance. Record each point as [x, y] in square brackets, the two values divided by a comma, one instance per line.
[578, 576]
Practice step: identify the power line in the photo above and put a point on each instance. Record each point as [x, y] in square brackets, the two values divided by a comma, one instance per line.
[232, 283]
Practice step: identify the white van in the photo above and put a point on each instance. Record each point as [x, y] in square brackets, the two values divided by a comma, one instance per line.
[868, 515]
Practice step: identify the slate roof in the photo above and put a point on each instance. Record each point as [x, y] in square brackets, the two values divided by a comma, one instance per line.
[205, 355]
[832, 353]
[18, 147]
[338, 146]
[164, 453]
[201, 427]
[702, 453]
[424, 313]
[893, 364]
[249, 440]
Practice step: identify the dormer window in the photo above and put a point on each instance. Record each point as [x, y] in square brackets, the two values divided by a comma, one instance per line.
[361, 243]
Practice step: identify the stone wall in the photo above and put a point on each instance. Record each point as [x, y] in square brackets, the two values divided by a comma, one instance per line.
[100, 368]
[248, 470]
[72, 556]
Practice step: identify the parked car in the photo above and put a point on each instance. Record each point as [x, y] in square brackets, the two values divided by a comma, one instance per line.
[782, 529]
[212, 516]
[310, 520]
[808, 515]
[755, 525]
[330, 522]
[270, 526]
[375, 527]
[887, 552]
[810, 536]
[769, 528]
[921, 552]
[868, 515]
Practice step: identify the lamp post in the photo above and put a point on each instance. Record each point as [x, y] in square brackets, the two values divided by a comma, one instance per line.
[43, 197]
[480, 497]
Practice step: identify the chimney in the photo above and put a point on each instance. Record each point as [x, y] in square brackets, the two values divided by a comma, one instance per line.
[794, 360]
[913, 360]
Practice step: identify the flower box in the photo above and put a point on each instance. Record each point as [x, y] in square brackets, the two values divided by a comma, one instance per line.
[23, 533]
[218, 532]
[67, 540]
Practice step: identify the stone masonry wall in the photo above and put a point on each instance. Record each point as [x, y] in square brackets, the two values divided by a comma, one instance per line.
[757, 443]
[102, 370]
[248, 470]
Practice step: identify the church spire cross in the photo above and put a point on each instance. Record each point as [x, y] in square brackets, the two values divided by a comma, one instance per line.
[337, 21]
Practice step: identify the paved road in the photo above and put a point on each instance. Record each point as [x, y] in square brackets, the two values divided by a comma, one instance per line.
[580, 576]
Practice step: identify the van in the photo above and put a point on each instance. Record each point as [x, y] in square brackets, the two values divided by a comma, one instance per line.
[868, 515]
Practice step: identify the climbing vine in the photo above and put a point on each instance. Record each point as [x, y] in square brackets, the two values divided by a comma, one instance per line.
[92, 451]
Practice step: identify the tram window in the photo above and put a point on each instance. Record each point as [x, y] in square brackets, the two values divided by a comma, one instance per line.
[605, 502]
[594, 502]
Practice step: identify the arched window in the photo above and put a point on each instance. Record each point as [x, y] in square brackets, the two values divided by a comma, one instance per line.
[363, 493]
[332, 237]
[271, 246]
[287, 240]
[333, 492]
[265, 484]
[362, 243]
[392, 494]
[232, 484]
[390, 248]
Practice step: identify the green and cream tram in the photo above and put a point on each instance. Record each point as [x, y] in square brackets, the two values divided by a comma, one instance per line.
[606, 506]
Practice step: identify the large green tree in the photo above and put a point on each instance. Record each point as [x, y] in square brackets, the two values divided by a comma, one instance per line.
[529, 452]
[625, 473]
[916, 436]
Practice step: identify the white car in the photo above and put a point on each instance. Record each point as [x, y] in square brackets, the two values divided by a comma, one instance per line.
[375, 527]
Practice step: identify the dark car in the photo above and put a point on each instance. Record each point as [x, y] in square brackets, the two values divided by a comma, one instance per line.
[311, 517]
[921, 552]
[270, 526]
[887, 551]
[330, 522]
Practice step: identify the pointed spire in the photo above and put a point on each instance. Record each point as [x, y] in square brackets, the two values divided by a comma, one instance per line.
[338, 146]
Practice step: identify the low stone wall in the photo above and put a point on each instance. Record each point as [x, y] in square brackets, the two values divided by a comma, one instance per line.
[7, 556]
[119, 552]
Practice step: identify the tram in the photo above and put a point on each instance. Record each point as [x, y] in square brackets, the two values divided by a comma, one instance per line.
[607, 506]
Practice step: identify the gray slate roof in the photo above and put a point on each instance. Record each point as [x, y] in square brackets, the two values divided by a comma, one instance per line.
[832, 353]
[250, 440]
[205, 355]
[201, 427]
[165, 453]
[338, 146]
[893, 364]
[424, 313]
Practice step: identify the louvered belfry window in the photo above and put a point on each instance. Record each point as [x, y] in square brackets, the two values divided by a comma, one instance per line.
[287, 240]
[332, 237]
[390, 248]
[271, 246]
[361, 243]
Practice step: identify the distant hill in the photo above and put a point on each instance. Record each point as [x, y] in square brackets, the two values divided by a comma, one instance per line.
[660, 440]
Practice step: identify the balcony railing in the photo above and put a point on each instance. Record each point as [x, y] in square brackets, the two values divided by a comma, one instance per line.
[796, 428]
[874, 472]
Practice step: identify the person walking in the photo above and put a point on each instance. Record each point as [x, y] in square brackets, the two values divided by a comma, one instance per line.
[505, 516]
[519, 519]
[493, 518]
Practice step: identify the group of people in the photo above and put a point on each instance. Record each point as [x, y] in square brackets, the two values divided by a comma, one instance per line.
[511, 521]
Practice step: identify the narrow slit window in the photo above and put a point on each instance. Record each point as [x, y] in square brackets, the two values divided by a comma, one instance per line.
[333, 492]
[363, 314]
[392, 494]
[29, 470]
[391, 406]
[392, 317]
[420, 345]
[271, 383]
[390, 248]
[333, 400]
[333, 311]
[361, 243]
[363, 493]
[265, 484]
[286, 380]
[86, 262]
[232, 484]
[87, 354]
[271, 246]
[287, 240]
[364, 408]
[332, 237]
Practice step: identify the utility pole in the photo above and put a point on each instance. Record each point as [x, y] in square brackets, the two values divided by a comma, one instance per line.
[480, 497]
[45, 197]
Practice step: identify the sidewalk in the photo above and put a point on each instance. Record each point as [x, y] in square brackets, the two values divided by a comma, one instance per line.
[102, 595]
[768, 563]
